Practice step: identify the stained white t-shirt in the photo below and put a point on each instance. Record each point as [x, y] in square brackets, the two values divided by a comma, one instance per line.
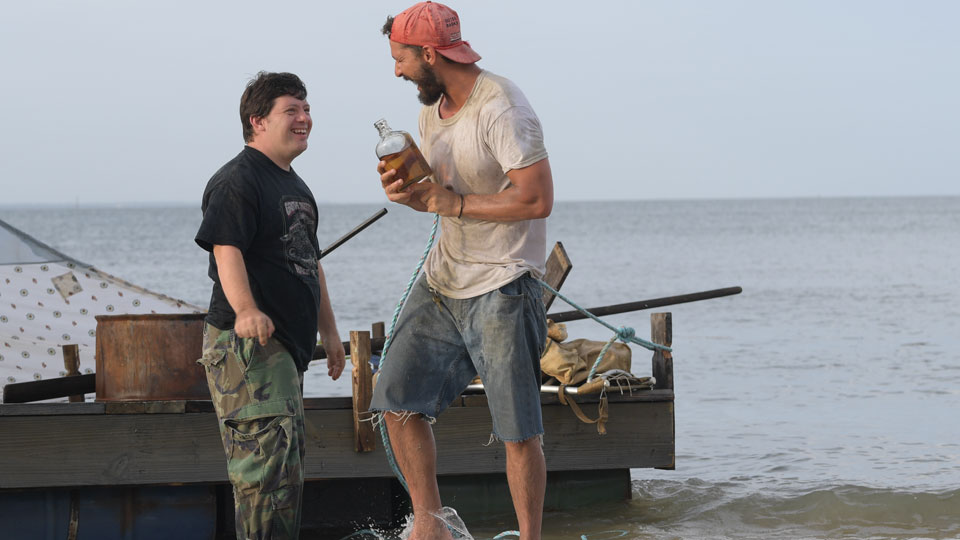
[494, 132]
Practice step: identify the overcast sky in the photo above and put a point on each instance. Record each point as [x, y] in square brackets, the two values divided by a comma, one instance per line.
[114, 101]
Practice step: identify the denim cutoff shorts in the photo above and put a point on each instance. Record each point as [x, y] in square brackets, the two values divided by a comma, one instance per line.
[440, 344]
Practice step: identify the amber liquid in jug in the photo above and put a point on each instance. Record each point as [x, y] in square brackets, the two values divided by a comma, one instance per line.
[400, 152]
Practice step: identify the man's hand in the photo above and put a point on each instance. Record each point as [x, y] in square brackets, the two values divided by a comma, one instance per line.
[391, 186]
[437, 199]
[336, 357]
[253, 323]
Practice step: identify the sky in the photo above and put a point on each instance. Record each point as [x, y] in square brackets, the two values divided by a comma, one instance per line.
[121, 101]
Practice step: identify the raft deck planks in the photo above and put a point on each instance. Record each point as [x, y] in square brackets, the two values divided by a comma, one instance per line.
[49, 445]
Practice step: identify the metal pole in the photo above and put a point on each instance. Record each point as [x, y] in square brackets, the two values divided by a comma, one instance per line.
[354, 232]
[566, 316]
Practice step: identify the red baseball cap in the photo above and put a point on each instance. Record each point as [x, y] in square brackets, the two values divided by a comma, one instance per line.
[434, 25]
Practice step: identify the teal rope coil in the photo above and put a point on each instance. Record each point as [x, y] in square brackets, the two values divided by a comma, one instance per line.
[624, 333]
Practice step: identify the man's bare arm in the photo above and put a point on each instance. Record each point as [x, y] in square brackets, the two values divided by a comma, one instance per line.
[530, 196]
[327, 326]
[250, 321]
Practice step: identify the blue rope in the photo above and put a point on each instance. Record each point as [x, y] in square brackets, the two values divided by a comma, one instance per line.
[624, 333]
[406, 293]
[384, 436]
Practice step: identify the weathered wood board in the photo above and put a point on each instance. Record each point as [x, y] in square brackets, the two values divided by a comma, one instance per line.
[41, 448]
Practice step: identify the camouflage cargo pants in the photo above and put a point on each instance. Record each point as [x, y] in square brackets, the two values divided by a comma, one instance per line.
[256, 391]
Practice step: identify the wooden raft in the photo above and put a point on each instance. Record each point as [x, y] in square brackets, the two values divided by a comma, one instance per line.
[177, 442]
[173, 442]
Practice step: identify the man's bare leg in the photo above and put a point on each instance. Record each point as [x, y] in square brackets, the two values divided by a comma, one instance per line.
[412, 440]
[527, 477]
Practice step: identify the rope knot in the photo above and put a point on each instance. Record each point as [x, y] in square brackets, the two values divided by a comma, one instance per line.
[625, 333]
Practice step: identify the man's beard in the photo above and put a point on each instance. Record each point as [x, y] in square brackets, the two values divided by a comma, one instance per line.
[431, 89]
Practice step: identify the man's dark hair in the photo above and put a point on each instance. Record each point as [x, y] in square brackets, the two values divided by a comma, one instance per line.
[387, 26]
[257, 99]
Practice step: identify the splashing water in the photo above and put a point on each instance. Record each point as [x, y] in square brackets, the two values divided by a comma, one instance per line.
[449, 517]
[452, 520]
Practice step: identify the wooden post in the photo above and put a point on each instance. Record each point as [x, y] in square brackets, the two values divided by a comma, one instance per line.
[362, 391]
[661, 332]
[378, 331]
[71, 361]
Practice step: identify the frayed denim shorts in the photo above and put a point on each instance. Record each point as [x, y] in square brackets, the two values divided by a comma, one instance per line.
[440, 344]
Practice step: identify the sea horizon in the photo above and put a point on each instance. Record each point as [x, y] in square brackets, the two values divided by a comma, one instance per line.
[385, 202]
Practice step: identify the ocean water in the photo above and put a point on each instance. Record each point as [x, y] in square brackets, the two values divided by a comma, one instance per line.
[823, 402]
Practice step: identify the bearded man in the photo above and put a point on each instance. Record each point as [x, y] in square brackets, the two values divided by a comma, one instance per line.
[477, 310]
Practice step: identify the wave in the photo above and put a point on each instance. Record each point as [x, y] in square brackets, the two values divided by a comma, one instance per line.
[698, 509]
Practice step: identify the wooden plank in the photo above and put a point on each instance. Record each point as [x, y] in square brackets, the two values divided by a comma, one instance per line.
[110, 450]
[318, 403]
[192, 406]
[336, 402]
[339, 402]
[378, 330]
[48, 388]
[364, 440]
[91, 407]
[146, 407]
[557, 268]
[376, 344]
[639, 435]
[661, 332]
[50, 409]
[186, 448]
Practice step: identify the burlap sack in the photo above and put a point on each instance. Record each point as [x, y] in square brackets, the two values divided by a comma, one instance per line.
[570, 362]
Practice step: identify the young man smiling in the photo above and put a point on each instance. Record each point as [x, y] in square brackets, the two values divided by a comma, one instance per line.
[478, 308]
[269, 301]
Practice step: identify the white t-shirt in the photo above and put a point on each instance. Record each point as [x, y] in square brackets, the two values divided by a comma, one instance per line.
[494, 132]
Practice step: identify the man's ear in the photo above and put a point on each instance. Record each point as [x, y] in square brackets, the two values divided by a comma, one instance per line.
[430, 55]
[257, 123]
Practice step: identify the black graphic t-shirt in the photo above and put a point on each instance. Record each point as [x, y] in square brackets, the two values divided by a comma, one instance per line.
[270, 215]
